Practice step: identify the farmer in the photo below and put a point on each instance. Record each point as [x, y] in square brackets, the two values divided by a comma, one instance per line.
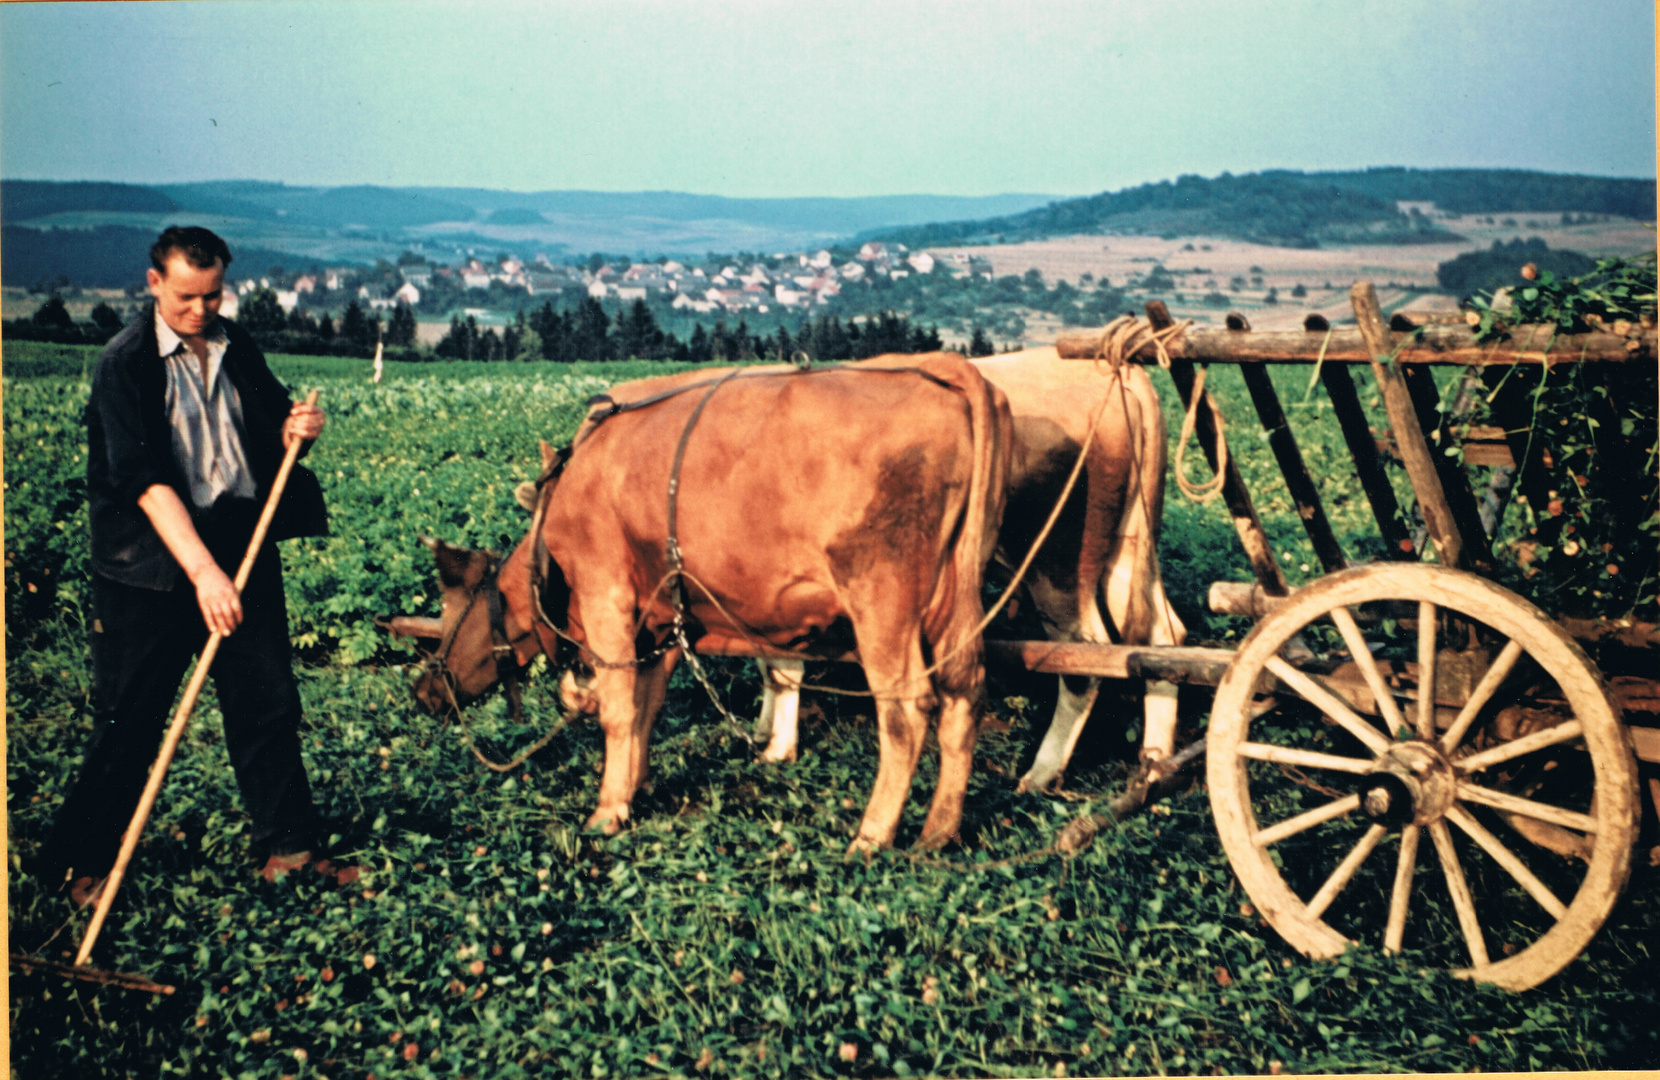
[186, 428]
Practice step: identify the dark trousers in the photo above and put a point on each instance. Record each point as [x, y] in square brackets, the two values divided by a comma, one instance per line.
[142, 644]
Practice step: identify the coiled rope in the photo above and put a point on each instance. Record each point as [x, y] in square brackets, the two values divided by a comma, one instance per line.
[1123, 337]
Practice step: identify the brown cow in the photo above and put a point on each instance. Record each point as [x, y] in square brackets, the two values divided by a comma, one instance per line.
[1103, 550]
[820, 510]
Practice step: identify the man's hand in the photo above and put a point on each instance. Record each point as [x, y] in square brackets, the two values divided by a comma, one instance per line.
[216, 596]
[304, 422]
[215, 592]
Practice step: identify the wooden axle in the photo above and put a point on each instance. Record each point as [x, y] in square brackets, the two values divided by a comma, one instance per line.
[1437, 344]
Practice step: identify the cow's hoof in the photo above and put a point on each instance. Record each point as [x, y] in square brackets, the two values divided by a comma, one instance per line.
[935, 841]
[608, 822]
[1038, 783]
[776, 759]
[863, 847]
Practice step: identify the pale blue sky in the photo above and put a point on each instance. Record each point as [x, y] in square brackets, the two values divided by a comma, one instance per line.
[819, 97]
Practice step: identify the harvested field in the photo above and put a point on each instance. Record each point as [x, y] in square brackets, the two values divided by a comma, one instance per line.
[1202, 264]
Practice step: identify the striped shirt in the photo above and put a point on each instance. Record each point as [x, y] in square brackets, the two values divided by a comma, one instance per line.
[206, 418]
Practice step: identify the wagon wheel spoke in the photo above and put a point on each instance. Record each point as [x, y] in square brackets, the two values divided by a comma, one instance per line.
[1286, 755]
[1532, 808]
[1362, 653]
[1507, 859]
[1426, 669]
[1401, 895]
[1328, 703]
[1482, 694]
[1463, 903]
[1516, 748]
[1345, 871]
[1284, 841]
[1291, 826]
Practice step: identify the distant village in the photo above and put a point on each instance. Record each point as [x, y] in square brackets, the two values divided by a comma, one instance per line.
[796, 282]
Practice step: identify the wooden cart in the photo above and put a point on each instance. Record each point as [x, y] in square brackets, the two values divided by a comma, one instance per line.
[1327, 759]
[1325, 753]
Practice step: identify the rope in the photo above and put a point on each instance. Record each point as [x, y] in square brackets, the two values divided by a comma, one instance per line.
[1127, 335]
[1120, 339]
[1210, 489]
[561, 724]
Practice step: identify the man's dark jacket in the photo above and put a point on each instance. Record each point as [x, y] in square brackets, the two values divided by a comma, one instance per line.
[130, 448]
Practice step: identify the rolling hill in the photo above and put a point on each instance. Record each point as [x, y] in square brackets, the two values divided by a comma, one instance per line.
[81, 230]
[1295, 209]
[89, 232]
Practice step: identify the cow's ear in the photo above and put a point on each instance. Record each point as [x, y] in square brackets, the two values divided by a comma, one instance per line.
[525, 496]
[452, 563]
[548, 454]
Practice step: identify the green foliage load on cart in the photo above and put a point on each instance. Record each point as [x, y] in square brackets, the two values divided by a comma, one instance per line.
[1582, 538]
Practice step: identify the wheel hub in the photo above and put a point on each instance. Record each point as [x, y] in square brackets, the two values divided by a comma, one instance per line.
[1411, 783]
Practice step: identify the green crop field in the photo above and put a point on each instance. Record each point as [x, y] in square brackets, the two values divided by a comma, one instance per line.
[722, 932]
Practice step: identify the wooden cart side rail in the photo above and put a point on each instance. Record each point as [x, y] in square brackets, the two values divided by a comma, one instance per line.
[1434, 344]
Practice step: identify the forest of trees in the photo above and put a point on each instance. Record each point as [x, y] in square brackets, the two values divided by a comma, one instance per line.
[586, 332]
[583, 332]
[304, 333]
[1287, 208]
[52, 322]
[1501, 191]
[1501, 265]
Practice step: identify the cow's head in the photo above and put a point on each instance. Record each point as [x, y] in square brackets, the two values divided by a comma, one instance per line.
[466, 656]
[490, 629]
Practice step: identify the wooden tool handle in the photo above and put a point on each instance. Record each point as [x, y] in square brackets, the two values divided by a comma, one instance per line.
[181, 716]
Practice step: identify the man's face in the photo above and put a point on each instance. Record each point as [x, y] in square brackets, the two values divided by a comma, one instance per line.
[187, 296]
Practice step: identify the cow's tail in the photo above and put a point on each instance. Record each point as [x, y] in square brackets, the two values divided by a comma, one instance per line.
[1156, 621]
[992, 434]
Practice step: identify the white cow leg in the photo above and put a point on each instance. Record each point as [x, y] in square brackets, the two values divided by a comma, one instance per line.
[1159, 711]
[769, 703]
[1159, 706]
[1071, 712]
[1068, 620]
[780, 708]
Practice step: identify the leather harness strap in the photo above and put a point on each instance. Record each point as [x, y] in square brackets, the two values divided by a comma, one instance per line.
[672, 551]
[501, 647]
[614, 407]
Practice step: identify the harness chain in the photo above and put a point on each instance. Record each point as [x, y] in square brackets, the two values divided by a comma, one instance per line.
[677, 563]
[500, 646]
[1120, 339]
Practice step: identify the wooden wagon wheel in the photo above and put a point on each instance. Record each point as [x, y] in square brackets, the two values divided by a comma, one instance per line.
[1532, 835]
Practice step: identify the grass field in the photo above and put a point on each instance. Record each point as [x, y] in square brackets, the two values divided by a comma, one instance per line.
[722, 933]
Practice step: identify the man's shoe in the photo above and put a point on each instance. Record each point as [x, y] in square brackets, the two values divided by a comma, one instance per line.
[85, 891]
[340, 875]
[277, 866]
